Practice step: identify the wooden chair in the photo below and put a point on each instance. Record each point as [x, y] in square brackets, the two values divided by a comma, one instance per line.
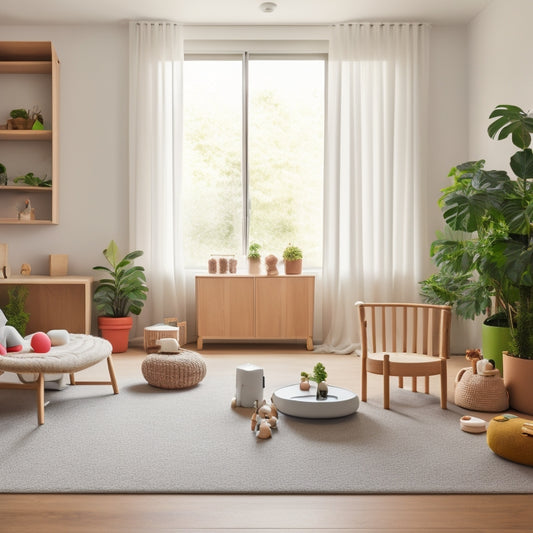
[404, 340]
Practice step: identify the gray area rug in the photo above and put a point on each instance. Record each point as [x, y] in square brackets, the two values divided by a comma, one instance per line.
[192, 441]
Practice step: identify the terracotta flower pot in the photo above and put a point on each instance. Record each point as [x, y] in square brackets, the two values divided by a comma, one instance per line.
[116, 331]
[293, 267]
[518, 378]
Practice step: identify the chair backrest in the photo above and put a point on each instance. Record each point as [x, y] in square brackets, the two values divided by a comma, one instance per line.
[405, 327]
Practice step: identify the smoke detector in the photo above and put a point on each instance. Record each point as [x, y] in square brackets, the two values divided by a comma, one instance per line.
[268, 7]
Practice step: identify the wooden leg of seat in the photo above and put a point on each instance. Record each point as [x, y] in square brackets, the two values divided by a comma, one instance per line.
[443, 384]
[363, 380]
[414, 386]
[400, 382]
[72, 379]
[386, 382]
[426, 386]
[112, 374]
[40, 399]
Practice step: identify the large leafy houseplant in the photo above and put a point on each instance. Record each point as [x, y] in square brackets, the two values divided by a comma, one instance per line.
[486, 250]
[124, 290]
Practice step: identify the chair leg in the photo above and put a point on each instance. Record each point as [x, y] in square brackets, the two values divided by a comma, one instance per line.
[400, 382]
[426, 386]
[386, 382]
[112, 375]
[414, 384]
[364, 378]
[443, 384]
[40, 399]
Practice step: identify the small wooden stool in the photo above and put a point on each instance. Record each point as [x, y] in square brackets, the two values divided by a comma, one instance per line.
[161, 331]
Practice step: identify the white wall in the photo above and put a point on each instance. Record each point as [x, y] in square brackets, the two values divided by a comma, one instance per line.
[93, 157]
[500, 72]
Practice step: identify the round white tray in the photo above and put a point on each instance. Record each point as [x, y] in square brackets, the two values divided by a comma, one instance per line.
[295, 402]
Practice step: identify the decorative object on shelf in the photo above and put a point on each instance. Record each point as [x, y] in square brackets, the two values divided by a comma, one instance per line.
[58, 264]
[25, 269]
[4, 264]
[33, 181]
[232, 265]
[271, 262]
[292, 256]
[3, 175]
[212, 265]
[122, 293]
[28, 212]
[20, 120]
[15, 309]
[484, 255]
[254, 259]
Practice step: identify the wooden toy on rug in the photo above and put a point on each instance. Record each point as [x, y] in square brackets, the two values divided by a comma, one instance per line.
[472, 424]
[264, 418]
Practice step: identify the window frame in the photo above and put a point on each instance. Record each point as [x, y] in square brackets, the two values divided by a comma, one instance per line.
[256, 51]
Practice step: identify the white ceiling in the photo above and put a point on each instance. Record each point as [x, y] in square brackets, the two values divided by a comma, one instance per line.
[23, 12]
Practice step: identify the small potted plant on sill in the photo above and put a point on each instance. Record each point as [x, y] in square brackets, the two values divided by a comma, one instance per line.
[254, 259]
[292, 257]
[488, 254]
[122, 293]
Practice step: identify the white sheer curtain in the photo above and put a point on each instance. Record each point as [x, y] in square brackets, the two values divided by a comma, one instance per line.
[156, 67]
[374, 202]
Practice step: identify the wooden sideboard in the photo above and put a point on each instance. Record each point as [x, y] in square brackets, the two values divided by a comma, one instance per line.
[247, 307]
[54, 302]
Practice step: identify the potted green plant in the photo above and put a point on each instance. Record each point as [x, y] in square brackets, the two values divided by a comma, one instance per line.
[487, 252]
[292, 257]
[20, 120]
[119, 295]
[254, 258]
[3, 175]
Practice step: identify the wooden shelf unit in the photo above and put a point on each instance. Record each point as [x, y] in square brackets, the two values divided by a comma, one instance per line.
[20, 61]
[54, 302]
[246, 307]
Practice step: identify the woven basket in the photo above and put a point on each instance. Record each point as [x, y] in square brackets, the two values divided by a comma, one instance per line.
[480, 393]
[174, 371]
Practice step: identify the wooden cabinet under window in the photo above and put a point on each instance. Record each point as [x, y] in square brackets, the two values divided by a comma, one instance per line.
[29, 76]
[255, 308]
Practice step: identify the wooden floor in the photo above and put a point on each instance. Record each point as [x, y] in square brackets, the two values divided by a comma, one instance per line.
[72, 513]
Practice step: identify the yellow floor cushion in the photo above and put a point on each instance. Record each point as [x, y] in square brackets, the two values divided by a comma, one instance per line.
[511, 437]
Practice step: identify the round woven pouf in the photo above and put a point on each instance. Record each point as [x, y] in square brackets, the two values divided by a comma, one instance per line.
[174, 371]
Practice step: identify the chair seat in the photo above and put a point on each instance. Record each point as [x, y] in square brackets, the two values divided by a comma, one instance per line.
[419, 364]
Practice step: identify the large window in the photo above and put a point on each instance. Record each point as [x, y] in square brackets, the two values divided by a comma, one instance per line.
[253, 155]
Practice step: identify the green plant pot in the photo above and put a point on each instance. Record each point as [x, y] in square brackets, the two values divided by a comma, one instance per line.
[495, 340]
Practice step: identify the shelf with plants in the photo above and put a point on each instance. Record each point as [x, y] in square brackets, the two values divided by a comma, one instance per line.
[29, 81]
